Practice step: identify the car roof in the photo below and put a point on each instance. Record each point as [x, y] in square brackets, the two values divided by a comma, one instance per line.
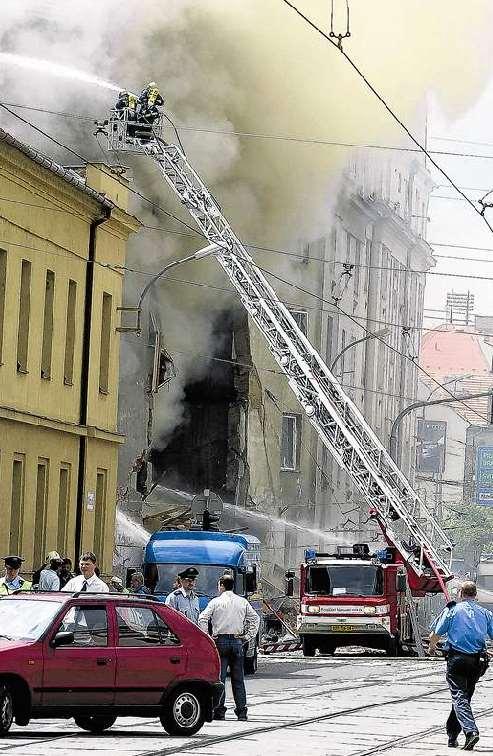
[64, 596]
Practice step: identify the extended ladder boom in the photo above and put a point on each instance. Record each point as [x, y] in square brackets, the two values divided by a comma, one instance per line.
[339, 423]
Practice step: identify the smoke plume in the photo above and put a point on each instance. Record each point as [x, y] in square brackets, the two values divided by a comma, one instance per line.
[250, 66]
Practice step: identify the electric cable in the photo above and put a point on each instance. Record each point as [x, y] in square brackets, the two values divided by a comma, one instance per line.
[16, 115]
[387, 107]
[301, 306]
[375, 336]
[276, 137]
[85, 161]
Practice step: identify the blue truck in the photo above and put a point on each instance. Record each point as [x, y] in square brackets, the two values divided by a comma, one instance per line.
[212, 554]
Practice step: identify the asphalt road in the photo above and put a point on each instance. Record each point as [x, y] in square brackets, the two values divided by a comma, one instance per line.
[353, 706]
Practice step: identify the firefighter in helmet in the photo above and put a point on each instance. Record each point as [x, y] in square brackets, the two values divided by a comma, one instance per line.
[149, 101]
[127, 101]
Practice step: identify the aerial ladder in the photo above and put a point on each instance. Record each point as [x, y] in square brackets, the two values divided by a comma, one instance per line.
[406, 523]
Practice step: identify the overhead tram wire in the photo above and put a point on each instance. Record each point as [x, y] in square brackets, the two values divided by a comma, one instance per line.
[85, 161]
[375, 336]
[387, 107]
[293, 305]
[299, 255]
[274, 137]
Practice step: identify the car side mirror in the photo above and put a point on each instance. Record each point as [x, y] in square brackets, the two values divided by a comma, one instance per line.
[62, 639]
[401, 582]
[289, 578]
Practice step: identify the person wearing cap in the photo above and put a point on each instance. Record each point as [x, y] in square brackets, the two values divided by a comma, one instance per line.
[12, 581]
[184, 599]
[116, 584]
[49, 579]
[87, 581]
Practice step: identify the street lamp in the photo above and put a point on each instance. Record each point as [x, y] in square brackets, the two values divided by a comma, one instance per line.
[455, 379]
[394, 433]
[204, 252]
[373, 335]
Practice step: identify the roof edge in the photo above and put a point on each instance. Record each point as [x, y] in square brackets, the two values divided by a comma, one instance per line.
[66, 175]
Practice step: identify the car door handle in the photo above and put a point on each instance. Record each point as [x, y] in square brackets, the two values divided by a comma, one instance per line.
[101, 661]
[175, 659]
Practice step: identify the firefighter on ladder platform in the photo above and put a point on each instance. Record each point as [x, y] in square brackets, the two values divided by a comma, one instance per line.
[149, 101]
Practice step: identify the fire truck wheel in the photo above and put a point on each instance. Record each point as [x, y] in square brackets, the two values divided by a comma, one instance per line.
[308, 647]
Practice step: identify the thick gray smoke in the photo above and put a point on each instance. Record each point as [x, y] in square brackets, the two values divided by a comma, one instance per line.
[250, 67]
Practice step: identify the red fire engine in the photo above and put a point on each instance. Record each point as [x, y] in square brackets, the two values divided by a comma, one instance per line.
[354, 598]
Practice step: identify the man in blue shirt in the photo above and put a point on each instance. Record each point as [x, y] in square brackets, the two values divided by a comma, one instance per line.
[466, 625]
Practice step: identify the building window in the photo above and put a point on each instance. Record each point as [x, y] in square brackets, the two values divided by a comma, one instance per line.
[3, 282]
[63, 506]
[301, 319]
[290, 441]
[104, 357]
[330, 339]
[40, 512]
[47, 348]
[24, 317]
[68, 369]
[100, 513]
[357, 266]
[17, 504]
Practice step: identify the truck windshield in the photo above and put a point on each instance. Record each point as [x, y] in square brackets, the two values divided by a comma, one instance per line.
[345, 579]
[24, 619]
[205, 585]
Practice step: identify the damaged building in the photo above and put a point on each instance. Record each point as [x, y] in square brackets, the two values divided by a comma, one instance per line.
[240, 431]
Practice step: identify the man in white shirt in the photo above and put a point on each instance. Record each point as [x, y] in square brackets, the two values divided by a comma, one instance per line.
[49, 579]
[234, 623]
[87, 580]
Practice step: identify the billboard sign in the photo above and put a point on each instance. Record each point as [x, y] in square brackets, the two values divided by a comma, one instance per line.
[484, 476]
[431, 446]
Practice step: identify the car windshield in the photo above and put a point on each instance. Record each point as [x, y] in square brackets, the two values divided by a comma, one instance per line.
[345, 580]
[23, 619]
[205, 585]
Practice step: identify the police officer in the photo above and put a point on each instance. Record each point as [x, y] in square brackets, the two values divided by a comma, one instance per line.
[12, 581]
[184, 599]
[466, 625]
[234, 623]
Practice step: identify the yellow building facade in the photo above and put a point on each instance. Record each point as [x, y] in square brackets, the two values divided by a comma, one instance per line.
[63, 241]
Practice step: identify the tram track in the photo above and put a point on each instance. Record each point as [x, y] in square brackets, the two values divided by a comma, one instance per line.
[27, 741]
[195, 745]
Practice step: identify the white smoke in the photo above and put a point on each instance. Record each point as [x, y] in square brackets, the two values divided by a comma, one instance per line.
[236, 66]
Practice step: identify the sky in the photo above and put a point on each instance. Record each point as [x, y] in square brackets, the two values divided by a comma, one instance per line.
[452, 221]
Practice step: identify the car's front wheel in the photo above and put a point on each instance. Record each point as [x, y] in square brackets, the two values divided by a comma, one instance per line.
[6, 709]
[183, 713]
[95, 724]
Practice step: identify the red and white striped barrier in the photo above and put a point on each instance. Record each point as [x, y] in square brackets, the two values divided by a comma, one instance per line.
[281, 646]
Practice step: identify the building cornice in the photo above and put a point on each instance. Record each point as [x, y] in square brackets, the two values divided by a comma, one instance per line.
[62, 426]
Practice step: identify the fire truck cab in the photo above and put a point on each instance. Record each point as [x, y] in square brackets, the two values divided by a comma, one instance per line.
[352, 598]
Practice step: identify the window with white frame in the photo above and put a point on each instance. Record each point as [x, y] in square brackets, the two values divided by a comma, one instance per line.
[290, 441]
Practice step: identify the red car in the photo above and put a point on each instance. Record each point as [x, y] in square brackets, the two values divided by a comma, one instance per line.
[96, 657]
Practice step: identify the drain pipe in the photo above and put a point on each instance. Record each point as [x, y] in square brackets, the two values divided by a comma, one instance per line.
[84, 371]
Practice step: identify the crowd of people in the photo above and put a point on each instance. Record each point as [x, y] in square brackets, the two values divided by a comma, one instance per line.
[57, 574]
